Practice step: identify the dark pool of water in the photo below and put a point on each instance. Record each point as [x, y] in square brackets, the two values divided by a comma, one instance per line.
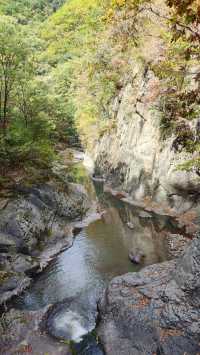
[74, 281]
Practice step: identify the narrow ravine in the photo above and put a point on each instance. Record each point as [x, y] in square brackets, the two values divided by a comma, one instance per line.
[75, 280]
[99, 177]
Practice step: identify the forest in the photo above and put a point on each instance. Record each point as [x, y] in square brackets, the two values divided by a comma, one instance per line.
[34, 110]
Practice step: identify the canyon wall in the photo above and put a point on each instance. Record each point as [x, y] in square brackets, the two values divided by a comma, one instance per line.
[132, 154]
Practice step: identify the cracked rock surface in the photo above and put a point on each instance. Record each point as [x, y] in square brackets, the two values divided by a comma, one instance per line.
[155, 311]
[34, 227]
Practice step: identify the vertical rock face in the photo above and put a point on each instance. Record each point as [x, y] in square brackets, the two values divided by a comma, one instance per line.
[155, 311]
[133, 154]
[135, 158]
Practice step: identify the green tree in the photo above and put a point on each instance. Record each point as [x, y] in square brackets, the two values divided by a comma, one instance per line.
[13, 62]
[26, 120]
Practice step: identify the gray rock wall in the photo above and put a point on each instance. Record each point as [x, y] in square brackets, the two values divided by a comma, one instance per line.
[135, 157]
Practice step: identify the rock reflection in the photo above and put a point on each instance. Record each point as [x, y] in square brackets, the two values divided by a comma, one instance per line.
[75, 280]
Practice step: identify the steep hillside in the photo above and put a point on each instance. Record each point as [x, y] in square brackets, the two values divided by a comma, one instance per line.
[133, 78]
[35, 114]
[128, 72]
[151, 140]
[137, 100]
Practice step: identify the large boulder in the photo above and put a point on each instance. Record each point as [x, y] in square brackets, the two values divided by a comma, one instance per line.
[22, 221]
[155, 311]
[35, 211]
[21, 334]
[34, 227]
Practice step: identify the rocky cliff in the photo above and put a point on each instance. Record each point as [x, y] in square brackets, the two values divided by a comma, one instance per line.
[137, 153]
[134, 157]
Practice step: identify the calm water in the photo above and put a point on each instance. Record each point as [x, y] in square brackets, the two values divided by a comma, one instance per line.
[74, 281]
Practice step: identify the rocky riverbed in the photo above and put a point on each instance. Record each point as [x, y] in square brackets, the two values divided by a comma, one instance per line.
[151, 310]
[34, 227]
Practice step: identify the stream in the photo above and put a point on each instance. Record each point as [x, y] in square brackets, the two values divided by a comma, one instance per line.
[75, 280]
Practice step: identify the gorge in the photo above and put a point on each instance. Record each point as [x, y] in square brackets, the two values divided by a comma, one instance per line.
[99, 130]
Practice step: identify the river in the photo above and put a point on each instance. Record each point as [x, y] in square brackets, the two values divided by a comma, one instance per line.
[74, 281]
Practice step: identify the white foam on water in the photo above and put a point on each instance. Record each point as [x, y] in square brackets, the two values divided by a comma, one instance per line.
[70, 323]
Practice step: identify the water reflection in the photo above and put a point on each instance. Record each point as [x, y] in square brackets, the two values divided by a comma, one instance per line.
[100, 252]
[75, 280]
